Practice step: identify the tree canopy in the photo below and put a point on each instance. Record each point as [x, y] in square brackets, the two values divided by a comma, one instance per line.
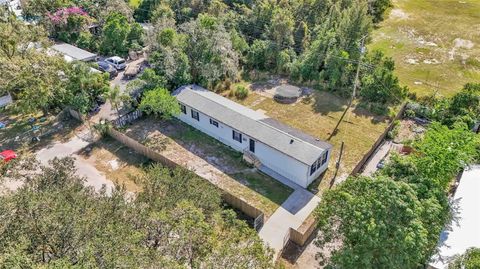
[376, 221]
[469, 260]
[314, 42]
[212, 42]
[36, 78]
[119, 35]
[394, 219]
[160, 102]
[54, 221]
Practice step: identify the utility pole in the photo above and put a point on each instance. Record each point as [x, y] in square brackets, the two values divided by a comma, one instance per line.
[337, 166]
[355, 85]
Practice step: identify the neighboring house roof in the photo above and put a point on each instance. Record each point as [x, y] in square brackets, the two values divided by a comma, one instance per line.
[464, 232]
[74, 52]
[281, 137]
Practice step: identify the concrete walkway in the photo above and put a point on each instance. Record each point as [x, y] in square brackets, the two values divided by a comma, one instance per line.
[291, 214]
[380, 153]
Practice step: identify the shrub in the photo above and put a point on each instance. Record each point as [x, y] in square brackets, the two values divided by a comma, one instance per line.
[241, 92]
[394, 131]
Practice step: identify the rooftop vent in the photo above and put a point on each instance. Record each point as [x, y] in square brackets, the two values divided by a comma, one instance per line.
[291, 141]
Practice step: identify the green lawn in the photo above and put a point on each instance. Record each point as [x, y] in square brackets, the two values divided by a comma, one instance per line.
[177, 140]
[265, 185]
[435, 44]
[268, 187]
[134, 3]
[318, 117]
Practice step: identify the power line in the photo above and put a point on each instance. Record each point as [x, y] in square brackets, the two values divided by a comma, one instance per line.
[355, 85]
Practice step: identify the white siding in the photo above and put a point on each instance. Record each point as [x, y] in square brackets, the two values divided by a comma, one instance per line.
[223, 133]
[281, 163]
[319, 170]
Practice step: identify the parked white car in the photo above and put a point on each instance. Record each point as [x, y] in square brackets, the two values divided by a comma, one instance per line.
[117, 62]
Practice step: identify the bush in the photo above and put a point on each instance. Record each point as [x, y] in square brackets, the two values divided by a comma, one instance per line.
[85, 40]
[394, 131]
[241, 92]
[378, 108]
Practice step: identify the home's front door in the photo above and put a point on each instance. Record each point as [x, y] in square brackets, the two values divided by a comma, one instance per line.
[252, 145]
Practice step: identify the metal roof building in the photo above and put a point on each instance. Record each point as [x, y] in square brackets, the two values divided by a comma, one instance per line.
[74, 53]
[256, 126]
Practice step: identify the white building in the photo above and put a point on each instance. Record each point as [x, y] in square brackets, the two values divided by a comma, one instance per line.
[269, 144]
[72, 53]
[464, 233]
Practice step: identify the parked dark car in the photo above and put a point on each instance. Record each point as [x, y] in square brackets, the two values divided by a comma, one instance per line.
[381, 164]
[107, 68]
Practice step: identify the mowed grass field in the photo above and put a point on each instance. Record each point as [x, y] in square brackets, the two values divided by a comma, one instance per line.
[435, 44]
[318, 117]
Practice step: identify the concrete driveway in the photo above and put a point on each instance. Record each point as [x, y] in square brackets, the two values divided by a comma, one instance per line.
[379, 155]
[291, 214]
[69, 149]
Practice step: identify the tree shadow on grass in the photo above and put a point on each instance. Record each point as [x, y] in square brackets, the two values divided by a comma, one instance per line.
[119, 163]
[117, 149]
[324, 102]
[361, 109]
[23, 135]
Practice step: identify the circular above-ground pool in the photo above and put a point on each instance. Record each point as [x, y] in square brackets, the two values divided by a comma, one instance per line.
[287, 94]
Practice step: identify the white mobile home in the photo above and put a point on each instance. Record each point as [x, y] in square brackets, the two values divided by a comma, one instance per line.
[264, 141]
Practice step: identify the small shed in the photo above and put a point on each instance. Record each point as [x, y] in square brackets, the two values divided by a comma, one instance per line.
[75, 53]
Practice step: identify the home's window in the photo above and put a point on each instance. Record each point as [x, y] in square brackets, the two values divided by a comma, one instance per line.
[195, 115]
[183, 108]
[325, 157]
[313, 168]
[237, 136]
[319, 163]
[214, 123]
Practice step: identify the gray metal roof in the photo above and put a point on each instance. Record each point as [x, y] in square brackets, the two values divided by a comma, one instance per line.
[279, 136]
[74, 52]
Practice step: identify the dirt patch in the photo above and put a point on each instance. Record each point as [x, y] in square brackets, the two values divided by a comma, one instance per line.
[463, 43]
[459, 43]
[305, 257]
[408, 130]
[431, 61]
[212, 160]
[411, 61]
[118, 163]
[397, 13]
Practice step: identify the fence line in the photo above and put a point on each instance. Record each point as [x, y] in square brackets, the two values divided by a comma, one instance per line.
[127, 118]
[377, 143]
[299, 237]
[229, 198]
